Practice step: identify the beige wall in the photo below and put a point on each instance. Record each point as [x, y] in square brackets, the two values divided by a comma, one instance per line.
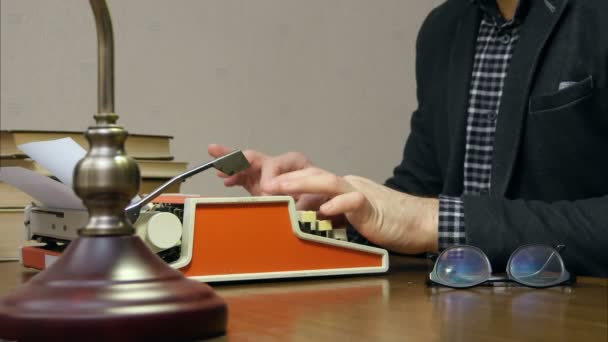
[331, 78]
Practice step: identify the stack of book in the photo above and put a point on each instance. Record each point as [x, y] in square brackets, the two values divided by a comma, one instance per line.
[151, 152]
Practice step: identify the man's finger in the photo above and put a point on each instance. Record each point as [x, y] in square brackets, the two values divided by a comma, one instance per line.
[232, 180]
[273, 186]
[217, 150]
[238, 179]
[279, 165]
[346, 203]
[310, 202]
[325, 183]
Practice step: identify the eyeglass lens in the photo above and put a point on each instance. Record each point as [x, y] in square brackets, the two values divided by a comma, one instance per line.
[462, 267]
[536, 265]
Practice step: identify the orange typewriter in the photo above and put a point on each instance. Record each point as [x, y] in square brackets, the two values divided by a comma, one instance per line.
[241, 238]
[219, 239]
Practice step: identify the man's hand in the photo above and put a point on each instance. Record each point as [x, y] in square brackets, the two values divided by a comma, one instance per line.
[249, 179]
[263, 170]
[395, 220]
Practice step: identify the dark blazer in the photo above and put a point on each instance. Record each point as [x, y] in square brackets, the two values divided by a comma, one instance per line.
[549, 180]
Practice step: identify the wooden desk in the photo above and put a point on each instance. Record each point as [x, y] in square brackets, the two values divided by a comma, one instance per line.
[399, 307]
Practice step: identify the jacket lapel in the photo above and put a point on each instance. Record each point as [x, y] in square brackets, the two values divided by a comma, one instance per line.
[540, 22]
[462, 53]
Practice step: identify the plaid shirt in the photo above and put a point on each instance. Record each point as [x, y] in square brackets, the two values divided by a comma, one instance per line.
[496, 41]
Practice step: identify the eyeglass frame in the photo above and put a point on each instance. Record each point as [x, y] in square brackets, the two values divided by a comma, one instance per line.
[566, 278]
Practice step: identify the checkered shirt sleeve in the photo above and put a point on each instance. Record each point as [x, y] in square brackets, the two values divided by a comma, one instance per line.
[451, 222]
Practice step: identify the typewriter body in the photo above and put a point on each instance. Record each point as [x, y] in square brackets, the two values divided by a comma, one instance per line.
[221, 239]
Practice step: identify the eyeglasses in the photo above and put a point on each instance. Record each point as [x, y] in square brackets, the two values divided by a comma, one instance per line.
[530, 265]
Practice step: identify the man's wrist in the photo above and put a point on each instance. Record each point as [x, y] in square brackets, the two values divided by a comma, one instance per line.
[431, 224]
[434, 245]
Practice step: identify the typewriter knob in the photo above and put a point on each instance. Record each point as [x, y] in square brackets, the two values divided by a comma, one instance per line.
[159, 230]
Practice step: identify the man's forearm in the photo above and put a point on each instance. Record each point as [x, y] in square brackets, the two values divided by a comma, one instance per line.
[498, 226]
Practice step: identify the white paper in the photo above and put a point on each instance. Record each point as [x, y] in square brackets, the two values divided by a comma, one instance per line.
[58, 156]
[49, 192]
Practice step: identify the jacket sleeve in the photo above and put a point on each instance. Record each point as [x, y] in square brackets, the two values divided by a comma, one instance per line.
[499, 226]
[419, 173]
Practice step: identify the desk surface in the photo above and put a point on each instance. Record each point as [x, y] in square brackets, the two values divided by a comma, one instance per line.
[398, 306]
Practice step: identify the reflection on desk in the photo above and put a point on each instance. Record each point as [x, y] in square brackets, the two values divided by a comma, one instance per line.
[397, 306]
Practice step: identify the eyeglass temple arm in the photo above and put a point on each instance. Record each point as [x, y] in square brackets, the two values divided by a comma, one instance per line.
[558, 249]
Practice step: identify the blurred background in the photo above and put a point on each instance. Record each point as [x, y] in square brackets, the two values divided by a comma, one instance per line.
[333, 79]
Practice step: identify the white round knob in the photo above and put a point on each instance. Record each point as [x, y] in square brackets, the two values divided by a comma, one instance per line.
[159, 230]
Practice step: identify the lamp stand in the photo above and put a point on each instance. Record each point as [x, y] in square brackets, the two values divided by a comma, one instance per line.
[107, 285]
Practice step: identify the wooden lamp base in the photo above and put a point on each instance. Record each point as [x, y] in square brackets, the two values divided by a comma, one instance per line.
[111, 289]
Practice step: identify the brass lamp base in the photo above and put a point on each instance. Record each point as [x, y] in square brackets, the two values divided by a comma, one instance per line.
[111, 289]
